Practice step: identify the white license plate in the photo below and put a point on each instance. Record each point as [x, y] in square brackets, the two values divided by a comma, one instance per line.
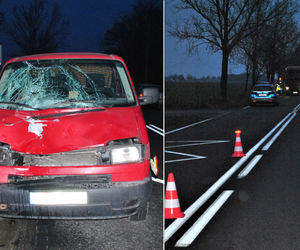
[262, 94]
[57, 198]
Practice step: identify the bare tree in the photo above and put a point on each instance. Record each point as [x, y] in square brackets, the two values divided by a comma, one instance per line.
[2, 18]
[279, 36]
[137, 36]
[269, 48]
[35, 29]
[219, 24]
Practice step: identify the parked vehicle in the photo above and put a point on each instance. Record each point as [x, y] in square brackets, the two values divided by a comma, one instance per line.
[292, 80]
[263, 93]
[73, 142]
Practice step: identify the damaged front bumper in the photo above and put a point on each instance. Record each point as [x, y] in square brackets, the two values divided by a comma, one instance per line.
[104, 199]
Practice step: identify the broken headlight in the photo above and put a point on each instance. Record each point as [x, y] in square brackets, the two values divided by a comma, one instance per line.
[126, 154]
[9, 157]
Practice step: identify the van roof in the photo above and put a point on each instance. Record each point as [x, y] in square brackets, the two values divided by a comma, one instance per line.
[65, 55]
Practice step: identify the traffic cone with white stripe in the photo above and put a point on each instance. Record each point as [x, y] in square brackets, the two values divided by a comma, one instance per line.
[172, 207]
[238, 149]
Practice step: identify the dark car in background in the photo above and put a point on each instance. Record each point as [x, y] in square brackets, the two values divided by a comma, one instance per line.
[263, 93]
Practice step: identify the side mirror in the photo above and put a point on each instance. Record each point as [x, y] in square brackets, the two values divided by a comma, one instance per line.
[149, 95]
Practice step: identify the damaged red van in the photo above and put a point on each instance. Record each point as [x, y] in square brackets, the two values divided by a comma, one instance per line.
[73, 141]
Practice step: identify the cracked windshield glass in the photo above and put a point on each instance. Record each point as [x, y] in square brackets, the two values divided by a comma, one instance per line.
[30, 85]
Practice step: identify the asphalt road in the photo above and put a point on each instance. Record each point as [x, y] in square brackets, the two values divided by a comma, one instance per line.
[17, 234]
[259, 210]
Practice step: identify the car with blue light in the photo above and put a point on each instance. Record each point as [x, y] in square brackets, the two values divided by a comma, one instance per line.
[263, 93]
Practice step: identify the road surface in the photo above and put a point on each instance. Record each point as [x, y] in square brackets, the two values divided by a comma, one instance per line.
[226, 209]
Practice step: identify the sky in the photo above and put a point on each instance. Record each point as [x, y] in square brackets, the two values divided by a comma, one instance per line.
[203, 64]
[88, 20]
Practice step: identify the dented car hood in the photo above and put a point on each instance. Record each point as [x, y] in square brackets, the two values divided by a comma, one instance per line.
[54, 131]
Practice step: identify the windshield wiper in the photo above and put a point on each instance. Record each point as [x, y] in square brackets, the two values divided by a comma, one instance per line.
[80, 101]
[20, 104]
[68, 113]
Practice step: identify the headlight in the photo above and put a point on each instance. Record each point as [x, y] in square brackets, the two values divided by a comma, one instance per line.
[126, 154]
[287, 88]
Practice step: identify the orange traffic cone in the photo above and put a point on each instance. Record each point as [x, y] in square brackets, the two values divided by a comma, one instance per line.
[238, 149]
[172, 207]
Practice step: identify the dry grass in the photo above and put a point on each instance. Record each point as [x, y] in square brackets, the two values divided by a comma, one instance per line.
[204, 95]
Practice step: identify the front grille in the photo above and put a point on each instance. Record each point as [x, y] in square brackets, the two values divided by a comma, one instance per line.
[71, 158]
[105, 179]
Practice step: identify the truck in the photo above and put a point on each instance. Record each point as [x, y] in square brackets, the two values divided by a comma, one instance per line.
[73, 141]
[291, 80]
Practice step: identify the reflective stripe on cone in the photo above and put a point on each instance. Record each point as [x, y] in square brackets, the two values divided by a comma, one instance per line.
[172, 206]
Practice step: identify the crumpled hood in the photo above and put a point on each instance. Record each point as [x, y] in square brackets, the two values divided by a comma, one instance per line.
[72, 131]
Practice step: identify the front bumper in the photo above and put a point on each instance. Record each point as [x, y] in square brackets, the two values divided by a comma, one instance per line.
[105, 199]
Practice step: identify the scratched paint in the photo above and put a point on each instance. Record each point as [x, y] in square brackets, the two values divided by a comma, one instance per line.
[36, 127]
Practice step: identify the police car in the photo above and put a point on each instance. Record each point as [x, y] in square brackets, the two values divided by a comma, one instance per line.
[264, 93]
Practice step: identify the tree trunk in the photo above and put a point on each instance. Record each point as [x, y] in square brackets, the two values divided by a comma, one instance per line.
[247, 79]
[224, 75]
[254, 69]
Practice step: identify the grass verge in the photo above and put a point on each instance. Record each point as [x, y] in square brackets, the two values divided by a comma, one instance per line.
[204, 95]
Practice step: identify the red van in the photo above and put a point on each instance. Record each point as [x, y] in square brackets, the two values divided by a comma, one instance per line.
[73, 141]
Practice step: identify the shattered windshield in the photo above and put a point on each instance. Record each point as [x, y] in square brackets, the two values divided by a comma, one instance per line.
[64, 83]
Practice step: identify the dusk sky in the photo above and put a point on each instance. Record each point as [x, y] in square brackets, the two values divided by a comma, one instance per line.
[204, 64]
[91, 18]
[88, 19]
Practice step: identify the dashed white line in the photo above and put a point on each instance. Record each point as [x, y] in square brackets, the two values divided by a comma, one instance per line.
[200, 224]
[171, 229]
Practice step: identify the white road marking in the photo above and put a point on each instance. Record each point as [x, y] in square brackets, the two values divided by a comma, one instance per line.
[194, 124]
[200, 224]
[249, 167]
[171, 229]
[212, 141]
[158, 180]
[156, 129]
[195, 143]
[193, 157]
[268, 145]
